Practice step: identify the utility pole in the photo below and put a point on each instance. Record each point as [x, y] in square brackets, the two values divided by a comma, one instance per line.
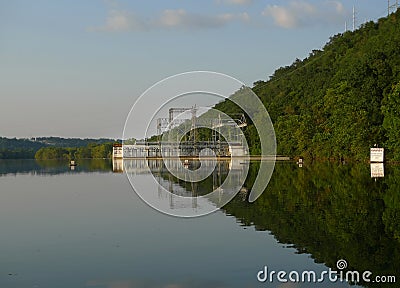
[354, 18]
[393, 7]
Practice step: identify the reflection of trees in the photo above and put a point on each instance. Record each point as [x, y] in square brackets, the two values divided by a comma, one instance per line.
[87, 165]
[100, 165]
[391, 216]
[53, 167]
[332, 212]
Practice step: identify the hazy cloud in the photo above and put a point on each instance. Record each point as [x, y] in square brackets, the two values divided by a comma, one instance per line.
[120, 20]
[172, 18]
[234, 2]
[184, 20]
[339, 7]
[301, 13]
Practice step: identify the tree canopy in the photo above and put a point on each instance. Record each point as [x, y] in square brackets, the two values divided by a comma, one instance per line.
[91, 151]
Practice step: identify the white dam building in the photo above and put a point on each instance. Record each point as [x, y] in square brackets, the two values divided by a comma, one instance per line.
[226, 139]
[173, 150]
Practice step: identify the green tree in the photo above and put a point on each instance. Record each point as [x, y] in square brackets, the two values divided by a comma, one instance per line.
[48, 153]
[391, 122]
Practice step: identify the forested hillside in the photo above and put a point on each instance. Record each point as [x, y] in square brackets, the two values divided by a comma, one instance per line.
[338, 102]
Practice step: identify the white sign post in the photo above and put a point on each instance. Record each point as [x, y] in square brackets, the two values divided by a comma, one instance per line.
[377, 155]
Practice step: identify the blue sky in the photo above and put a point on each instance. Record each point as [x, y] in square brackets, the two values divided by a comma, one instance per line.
[74, 68]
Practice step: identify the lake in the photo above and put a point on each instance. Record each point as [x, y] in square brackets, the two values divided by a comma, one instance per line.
[88, 228]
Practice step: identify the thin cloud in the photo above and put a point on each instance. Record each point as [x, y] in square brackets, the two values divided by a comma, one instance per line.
[301, 13]
[184, 20]
[234, 2]
[338, 6]
[181, 19]
[119, 21]
[124, 21]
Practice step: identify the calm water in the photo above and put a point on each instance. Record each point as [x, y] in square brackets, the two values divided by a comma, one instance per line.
[88, 228]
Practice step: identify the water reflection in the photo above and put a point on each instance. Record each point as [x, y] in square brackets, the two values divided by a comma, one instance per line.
[331, 212]
[53, 167]
[327, 211]
[185, 188]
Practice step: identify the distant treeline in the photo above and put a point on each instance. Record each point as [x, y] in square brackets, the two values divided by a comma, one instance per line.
[13, 148]
[18, 153]
[13, 144]
[91, 151]
[70, 142]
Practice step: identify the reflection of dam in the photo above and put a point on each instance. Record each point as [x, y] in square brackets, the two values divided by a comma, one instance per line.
[224, 178]
[145, 166]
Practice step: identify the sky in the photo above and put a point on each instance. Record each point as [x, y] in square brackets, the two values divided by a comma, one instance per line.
[74, 68]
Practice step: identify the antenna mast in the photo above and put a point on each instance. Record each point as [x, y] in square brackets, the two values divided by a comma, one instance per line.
[394, 6]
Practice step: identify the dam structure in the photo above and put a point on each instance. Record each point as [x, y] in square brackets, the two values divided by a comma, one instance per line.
[177, 137]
